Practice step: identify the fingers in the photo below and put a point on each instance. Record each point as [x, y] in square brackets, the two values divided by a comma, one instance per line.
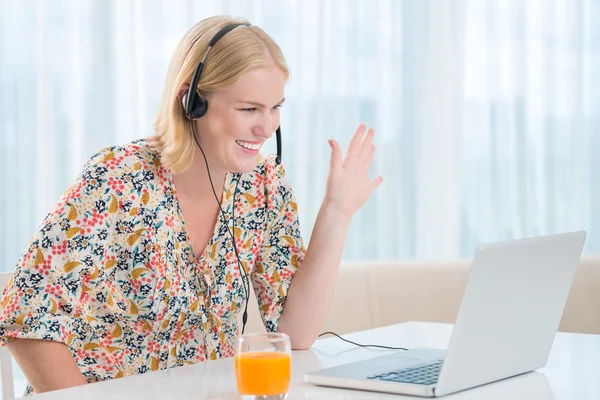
[354, 147]
[336, 154]
[367, 147]
[361, 146]
[369, 158]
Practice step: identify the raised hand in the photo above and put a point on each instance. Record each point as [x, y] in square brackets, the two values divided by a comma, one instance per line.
[348, 183]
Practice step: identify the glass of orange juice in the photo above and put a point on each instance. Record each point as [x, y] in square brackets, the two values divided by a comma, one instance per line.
[263, 366]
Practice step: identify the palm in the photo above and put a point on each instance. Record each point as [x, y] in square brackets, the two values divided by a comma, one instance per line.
[348, 183]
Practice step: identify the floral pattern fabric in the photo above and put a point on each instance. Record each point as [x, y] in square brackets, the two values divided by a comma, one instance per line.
[111, 272]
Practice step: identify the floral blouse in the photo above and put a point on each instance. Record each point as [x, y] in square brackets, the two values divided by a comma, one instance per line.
[111, 272]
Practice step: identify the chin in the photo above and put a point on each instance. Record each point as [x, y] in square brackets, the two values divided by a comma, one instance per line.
[245, 167]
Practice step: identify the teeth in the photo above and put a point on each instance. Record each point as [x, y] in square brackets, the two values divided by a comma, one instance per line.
[248, 146]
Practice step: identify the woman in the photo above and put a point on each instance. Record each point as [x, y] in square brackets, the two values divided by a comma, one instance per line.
[135, 269]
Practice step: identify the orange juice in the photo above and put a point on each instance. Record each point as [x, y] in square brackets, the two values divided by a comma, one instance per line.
[263, 373]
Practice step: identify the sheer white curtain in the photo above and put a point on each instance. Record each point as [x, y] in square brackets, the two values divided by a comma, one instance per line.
[532, 119]
[487, 113]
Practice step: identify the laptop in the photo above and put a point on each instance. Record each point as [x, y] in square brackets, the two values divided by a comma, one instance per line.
[508, 318]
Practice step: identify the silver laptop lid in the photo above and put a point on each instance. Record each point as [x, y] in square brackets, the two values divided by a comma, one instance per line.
[511, 310]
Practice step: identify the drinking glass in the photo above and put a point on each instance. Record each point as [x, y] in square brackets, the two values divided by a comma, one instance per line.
[263, 366]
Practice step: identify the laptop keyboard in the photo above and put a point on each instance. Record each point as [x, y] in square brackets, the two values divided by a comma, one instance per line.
[426, 374]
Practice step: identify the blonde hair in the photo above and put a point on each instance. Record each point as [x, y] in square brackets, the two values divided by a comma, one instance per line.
[240, 50]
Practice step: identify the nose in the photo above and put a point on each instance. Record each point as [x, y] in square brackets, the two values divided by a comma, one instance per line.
[264, 127]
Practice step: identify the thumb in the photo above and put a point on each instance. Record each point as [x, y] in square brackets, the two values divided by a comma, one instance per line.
[336, 154]
[376, 182]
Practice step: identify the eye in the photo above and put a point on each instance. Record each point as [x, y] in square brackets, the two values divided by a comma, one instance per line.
[278, 106]
[248, 110]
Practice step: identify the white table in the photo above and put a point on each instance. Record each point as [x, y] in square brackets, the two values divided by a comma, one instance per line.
[573, 372]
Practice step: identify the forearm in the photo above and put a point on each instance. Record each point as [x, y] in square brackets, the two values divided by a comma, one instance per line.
[47, 365]
[311, 290]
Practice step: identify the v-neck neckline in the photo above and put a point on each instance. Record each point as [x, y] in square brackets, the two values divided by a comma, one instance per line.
[220, 217]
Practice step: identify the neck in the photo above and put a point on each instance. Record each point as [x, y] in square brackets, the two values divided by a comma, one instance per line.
[194, 181]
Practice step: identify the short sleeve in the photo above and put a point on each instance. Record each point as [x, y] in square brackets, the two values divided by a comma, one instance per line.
[59, 266]
[283, 249]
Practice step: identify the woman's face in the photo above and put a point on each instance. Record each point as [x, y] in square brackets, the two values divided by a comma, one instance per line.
[240, 119]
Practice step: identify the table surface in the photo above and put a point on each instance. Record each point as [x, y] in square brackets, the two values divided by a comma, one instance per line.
[572, 372]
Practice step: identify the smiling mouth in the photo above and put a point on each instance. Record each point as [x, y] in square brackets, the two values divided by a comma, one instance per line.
[249, 146]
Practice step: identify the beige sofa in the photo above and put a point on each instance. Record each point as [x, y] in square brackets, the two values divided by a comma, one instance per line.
[373, 294]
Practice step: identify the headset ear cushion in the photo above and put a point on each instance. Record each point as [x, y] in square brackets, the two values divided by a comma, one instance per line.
[184, 103]
[199, 107]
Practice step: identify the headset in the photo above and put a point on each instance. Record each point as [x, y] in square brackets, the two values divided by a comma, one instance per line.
[195, 106]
